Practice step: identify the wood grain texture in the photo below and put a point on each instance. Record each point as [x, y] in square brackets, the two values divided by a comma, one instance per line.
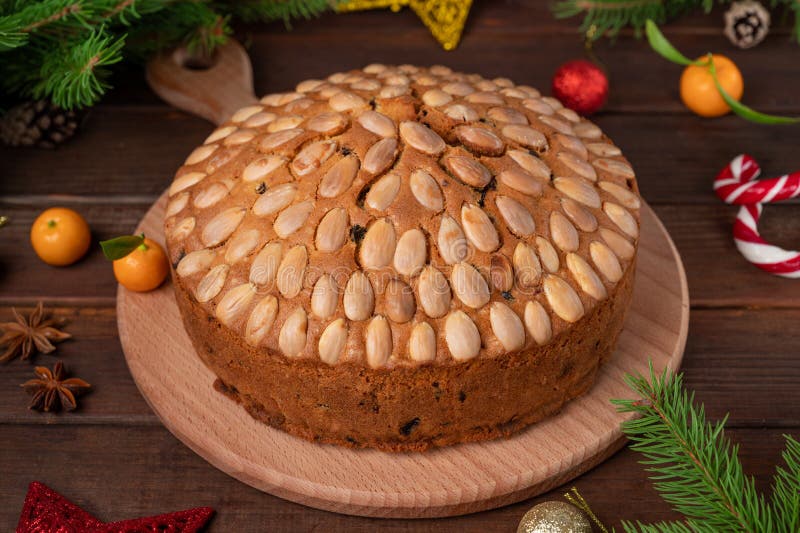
[213, 92]
[444, 482]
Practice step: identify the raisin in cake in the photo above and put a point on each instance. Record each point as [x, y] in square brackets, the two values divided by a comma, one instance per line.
[404, 257]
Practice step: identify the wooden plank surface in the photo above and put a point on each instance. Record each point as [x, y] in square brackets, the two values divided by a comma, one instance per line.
[114, 456]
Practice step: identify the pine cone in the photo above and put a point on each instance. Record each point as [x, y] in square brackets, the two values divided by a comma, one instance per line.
[746, 23]
[38, 123]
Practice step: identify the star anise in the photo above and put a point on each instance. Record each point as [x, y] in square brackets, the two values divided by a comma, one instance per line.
[26, 337]
[51, 392]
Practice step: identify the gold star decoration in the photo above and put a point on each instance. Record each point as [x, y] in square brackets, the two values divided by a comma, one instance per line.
[444, 18]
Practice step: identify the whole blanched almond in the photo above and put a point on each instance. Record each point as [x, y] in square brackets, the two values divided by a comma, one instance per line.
[506, 114]
[522, 181]
[537, 322]
[619, 244]
[563, 233]
[587, 279]
[507, 327]
[557, 124]
[313, 156]
[359, 298]
[399, 301]
[573, 144]
[527, 269]
[332, 341]
[436, 97]
[479, 228]
[378, 124]
[452, 243]
[579, 190]
[345, 101]
[292, 337]
[184, 181]
[538, 106]
[332, 230]
[525, 136]
[176, 204]
[486, 98]
[547, 254]
[461, 113]
[458, 88]
[469, 286]
[378, 342]
[307, 86]
[239, 137]
[200, 154]
[563, 299]
[421, 138]
[222, 226]
[183, 229]
[422, 343]
[339, 177]
[434, 292]
[195, 262]
[604, 149]
[377, 248]
[583, 219]
[461, 336]
[265, 265]
[383, 192]
[263, 167]
[278, 138]
[324, 296]
[292, 218]
[212, 283]
[501, 273]
[260, 119]
[624, 196]
[577, 165]
[480, 140]
[262, 317]
[275, 199]
[210, 195]
[531, 164]
[234, 303]
[614, 167]
[426, 190]
[327, 123]
[411, 252]
[241, 245]
[246, 112]
[605, 261]
[517, 217]
[380, 155]
[291, 271]
[622, 218]
[468, 171]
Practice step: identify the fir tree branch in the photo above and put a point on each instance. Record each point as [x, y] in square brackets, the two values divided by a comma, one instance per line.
[786, 487]
[76, 76]
[693, 465]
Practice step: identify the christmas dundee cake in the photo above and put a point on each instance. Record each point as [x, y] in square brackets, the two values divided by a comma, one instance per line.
[404, 257]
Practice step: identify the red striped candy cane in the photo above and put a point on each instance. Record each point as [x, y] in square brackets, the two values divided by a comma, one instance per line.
[735, 185]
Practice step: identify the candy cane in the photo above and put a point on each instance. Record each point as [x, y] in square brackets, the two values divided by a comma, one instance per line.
[735, 185]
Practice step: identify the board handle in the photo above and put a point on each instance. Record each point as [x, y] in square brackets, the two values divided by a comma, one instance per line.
[213, 91]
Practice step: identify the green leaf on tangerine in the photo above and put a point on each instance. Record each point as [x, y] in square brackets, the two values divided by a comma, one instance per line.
[664, 48]
[119, 247]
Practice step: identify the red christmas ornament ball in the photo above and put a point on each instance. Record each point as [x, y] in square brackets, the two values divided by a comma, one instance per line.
[581, 86]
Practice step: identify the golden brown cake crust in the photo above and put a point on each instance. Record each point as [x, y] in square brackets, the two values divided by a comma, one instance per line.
[400, 257]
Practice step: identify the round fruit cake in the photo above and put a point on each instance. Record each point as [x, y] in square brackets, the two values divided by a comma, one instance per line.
[404, 257]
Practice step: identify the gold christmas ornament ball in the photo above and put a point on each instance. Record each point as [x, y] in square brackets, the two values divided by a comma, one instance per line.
[554, 517]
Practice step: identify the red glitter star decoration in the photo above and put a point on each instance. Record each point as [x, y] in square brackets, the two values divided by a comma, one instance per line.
[46, 511]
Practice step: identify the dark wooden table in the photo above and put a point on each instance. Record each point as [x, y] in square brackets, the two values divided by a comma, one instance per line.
[114, 457]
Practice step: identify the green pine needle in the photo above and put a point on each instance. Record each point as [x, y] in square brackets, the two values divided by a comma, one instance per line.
[75, 76]
[696, 468]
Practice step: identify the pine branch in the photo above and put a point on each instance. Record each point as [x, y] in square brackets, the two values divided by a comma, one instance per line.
[76, 77]
[285, 10]
[786, 488]
[693, 465]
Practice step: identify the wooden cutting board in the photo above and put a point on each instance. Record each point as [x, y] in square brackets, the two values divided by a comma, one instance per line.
[443, 482]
